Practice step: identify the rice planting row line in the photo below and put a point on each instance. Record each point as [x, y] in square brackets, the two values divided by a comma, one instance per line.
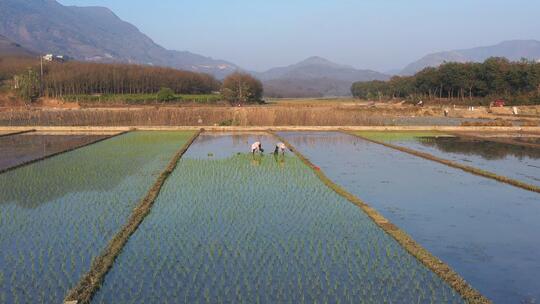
[469, 169]
[508, 141]
[58, 153]
[470, 294]
[18, 133]
[91, 281]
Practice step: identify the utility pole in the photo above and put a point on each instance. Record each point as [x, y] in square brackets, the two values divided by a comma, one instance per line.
[41, 77]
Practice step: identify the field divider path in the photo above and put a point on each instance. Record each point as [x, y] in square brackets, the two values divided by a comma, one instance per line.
[468, 169]
[440, 268]
[18, 133]
[60, 152]
[91, 281]
[508, 141]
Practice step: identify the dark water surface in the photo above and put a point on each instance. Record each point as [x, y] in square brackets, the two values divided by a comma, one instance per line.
[237, 228]
[18, 149]
[487, 231]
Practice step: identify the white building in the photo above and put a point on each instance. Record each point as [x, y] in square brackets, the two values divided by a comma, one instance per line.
[51, 58]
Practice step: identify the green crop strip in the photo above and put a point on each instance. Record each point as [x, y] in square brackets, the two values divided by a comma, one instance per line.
[444, 271]
[18, 133]
[61, 152]
[469, 169]
[91, 281]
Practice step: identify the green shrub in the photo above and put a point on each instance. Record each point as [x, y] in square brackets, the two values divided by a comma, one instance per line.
[166, 94]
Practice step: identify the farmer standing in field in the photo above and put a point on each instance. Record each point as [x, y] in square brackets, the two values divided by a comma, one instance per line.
[256, 147]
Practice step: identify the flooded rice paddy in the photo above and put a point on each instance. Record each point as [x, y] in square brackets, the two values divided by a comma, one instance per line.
[228, 226]
[485, 230]
[514, 161]
[58, 214]
[18, 149]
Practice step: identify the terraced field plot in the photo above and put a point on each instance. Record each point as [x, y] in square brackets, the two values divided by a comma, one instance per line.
[58, 214]
[18, 149]
[517, 162]
[485, 230]
[229, 227]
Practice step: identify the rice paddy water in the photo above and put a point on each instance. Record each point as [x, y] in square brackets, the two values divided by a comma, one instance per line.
[58, 214]
[18, 149]
[232, 227]
[485, 230]
[517, 162]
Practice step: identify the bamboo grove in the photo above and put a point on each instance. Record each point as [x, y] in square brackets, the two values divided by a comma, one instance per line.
[519, 82]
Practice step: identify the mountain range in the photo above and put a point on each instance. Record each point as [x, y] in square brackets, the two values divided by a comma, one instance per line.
[314, 77]
[10, 48]
[93, 34]
[513, 50]
[30, 27]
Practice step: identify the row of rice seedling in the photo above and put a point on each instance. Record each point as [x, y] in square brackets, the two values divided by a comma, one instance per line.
[231, 230]
[485, 230]
[453, 163]
[424, 256]
[57, 215]
[90, 282]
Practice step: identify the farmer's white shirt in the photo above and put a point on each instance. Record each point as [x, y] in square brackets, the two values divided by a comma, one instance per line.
[255, 146]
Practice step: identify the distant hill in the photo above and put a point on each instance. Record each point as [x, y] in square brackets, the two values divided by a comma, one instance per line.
[10, 48]
[513, 50]
[93, 34]
[314, 77]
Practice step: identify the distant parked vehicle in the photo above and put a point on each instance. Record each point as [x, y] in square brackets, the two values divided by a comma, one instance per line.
[498, 103]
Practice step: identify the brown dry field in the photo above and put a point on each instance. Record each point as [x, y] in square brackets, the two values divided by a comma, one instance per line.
[281, 112]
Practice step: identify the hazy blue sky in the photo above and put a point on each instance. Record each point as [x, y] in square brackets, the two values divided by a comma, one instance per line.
[375, 34]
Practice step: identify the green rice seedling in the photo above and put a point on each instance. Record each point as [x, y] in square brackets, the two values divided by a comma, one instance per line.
[69, 206]
[297, 240]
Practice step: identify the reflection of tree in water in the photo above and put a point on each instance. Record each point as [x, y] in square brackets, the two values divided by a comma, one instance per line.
[100, 167]
[486, 149]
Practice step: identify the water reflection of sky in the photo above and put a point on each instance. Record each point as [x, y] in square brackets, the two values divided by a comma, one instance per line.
[223, 145]
[518, 162]
[487, 231]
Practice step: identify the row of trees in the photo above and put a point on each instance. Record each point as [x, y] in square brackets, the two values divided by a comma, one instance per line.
[82, 78]
[496, 77]
[78, 78]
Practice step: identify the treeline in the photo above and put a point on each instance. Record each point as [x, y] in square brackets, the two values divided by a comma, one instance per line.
[82, 78]
[78, 78]
[495, 77]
